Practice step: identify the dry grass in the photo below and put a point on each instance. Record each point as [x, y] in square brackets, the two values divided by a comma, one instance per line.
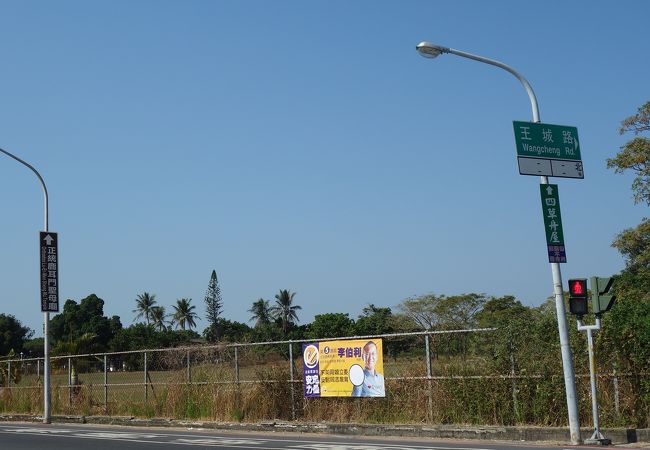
[462, 391]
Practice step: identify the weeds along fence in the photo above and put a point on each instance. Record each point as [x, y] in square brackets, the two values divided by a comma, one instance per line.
[457, 376]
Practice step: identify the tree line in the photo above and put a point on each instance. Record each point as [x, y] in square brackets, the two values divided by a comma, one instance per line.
[84, 328]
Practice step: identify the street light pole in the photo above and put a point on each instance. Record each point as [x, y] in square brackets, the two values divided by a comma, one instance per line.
[429, 50]
[47, 402]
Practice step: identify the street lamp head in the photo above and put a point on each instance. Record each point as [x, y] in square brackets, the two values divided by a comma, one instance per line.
[429, 50]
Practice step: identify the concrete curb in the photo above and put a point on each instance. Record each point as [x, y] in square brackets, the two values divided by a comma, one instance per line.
[509, 433]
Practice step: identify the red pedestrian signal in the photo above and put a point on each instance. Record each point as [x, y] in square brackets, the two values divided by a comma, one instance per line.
[578, 288]
[578, 297]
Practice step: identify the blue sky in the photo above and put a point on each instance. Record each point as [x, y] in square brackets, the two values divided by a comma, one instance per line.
[306, 146]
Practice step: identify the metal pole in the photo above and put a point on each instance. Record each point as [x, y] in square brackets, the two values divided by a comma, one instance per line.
[146, 393]
[38, 369]
[513, 373]
[237, 386]
[567, 358]
[8, 373]
[293, 402]
[617, 404]
[236, 364]
[430, 396]
[47, 402]
[189, 370]
[70, 382]
[47, 399]
[597, 437]
[592, 379]
[105, 385]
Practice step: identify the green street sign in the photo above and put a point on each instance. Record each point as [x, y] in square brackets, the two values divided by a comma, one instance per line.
[548, 150]
[553, 223]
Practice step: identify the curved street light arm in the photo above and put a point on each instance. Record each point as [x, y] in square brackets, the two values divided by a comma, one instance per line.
[520, 77]
[40, 178]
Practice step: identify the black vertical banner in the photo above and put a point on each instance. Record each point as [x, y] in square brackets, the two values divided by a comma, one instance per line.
[49, 246]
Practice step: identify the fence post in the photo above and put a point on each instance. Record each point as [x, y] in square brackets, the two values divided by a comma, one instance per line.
[146, 391]
[189, 369]
[105, 385]
[513, 373]
[8, 373]
[38, 369]
[293, 400]
[237, 385]
[617, 404]
[70, 382]
[237, 365]
[430, 396]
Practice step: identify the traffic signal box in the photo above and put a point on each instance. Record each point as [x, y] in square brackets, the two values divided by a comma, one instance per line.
[601, 298]
[578, 297]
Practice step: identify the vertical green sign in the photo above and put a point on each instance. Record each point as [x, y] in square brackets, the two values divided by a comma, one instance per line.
[553, 223]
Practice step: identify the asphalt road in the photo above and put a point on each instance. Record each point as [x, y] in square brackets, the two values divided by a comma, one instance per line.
[21, 436]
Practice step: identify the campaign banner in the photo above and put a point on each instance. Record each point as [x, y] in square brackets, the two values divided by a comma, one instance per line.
[345, 368]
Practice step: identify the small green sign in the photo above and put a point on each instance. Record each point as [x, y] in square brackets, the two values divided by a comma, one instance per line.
[543, 140]
[553, 223]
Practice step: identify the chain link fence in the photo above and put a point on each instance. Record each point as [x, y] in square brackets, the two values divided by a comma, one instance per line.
[431, 377]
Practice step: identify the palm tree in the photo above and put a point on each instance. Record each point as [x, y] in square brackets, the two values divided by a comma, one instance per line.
[284, 310]
[158, 317]
[86, 343]
[144, 303]
[184, 313]
[261, 312]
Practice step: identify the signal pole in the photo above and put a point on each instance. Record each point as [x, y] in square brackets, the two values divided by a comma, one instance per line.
[601, 301]
[597, 437]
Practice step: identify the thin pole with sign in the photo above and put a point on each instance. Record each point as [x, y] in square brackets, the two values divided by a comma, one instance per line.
[429, 50]
[47, 401]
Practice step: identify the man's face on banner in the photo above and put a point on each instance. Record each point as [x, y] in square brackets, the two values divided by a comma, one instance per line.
[370, 356]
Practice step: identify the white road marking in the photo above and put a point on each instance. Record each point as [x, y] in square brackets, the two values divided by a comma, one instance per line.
[129, 437]
[190, 439]
[343, 446]
[39, 430]
[218, 441]
[117, 435]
